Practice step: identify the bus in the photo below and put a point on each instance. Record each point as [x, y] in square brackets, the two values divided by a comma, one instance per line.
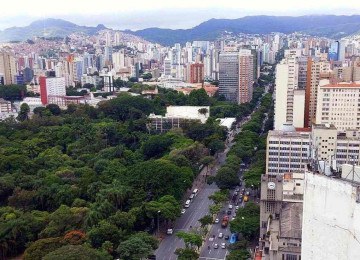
[187, 204]
[195, 192]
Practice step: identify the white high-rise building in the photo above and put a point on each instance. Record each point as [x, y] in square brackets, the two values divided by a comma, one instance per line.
[167, 67]
[118, 59]
[289, 100]
[338, 104]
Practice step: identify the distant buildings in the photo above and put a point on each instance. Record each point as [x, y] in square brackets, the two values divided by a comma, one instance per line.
[52, 89]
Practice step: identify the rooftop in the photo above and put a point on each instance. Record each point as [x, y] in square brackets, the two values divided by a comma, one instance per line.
[291, 220]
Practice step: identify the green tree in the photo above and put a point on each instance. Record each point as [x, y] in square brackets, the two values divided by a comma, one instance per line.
[240, 254]
[138, 246]
[24, 112]
[206, 220]
[247, 221]
[104, 231]
[40, 248]
[54, 109]
[77, 252]
[186, 254]
[220, 196]
[191, 240]
[226, 178]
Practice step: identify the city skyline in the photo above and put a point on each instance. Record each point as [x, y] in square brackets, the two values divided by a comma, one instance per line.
[163, 14]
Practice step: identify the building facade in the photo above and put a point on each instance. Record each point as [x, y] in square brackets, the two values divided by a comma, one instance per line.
[53, 86]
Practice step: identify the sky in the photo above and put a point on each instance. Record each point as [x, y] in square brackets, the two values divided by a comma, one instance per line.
[174, 14]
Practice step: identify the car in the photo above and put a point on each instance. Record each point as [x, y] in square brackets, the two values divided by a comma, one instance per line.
[216, 246]
[223, 245]
[233, 238]
[237, 207]
[183, 211]
[221, 235]
[230, 206]
[236, 193]
[229, 212]
[236, 202]
[217, 220]
[247, 193]
[232, 218]
[237, 189]
[234, 215]
[170, 231]
[227, 237]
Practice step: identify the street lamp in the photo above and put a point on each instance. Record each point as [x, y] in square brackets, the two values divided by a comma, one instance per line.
[158, 221]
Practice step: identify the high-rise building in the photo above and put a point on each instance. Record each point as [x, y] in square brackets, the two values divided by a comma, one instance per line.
[196, 73]
[118, 59]
[229, 75]
[246, 76]
[338, 104]
[236, 75]
[167, 67]
[287, 150]
[316, 69]
[117, 38]
[51, 87]
[289, 98]
[334, 51]
[8, 67]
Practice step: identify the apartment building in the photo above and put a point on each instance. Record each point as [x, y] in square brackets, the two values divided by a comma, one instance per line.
[339, 104]
[8, 67]
[316, 69]
[287, 150]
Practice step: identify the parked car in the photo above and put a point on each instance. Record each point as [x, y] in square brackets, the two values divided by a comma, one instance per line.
[226, 237]
[216, 246]
[230, 206]
[237, 207]
[217, 221]
[170, 231]
[221, 235]
[223, 245]
[229, 212]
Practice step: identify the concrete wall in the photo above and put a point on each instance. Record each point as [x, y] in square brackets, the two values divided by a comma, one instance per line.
[299, 108]
[331, 219]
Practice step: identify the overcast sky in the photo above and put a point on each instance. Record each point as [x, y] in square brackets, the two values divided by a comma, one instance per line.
[139, 14]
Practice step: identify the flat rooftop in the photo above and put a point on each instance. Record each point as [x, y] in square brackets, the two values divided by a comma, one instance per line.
[291, 220]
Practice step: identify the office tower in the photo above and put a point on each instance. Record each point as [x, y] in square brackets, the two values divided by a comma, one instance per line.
[316, 69]
[196, 73]
[167, 67]
[118, 59]
[338, 104]
[236, 76]
[302, 75]
[246, 76]
[334, 51]
[331, 213]
[208, 69]
[51, 87]
[79, 66]
[229, 75]
[289, 99]
[8, 67]
[287, 150]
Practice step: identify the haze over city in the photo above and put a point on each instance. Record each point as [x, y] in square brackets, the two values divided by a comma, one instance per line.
[140, 14]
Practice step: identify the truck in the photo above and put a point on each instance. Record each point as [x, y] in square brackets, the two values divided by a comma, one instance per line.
[225, 221]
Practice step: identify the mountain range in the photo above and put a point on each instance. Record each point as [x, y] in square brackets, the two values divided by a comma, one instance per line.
[48, 28]
[331, 26]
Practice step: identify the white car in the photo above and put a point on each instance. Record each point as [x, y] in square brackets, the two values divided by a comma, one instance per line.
[223, 245]
[220, 235]
[170, 231]
[217, 220]
[232, 218]
[230, 206]
[183, 211]
[237, 207]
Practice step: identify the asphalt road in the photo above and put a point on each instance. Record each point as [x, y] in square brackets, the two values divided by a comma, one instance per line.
[199, 207]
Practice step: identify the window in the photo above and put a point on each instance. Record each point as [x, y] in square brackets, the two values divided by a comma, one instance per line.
[290, 257]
